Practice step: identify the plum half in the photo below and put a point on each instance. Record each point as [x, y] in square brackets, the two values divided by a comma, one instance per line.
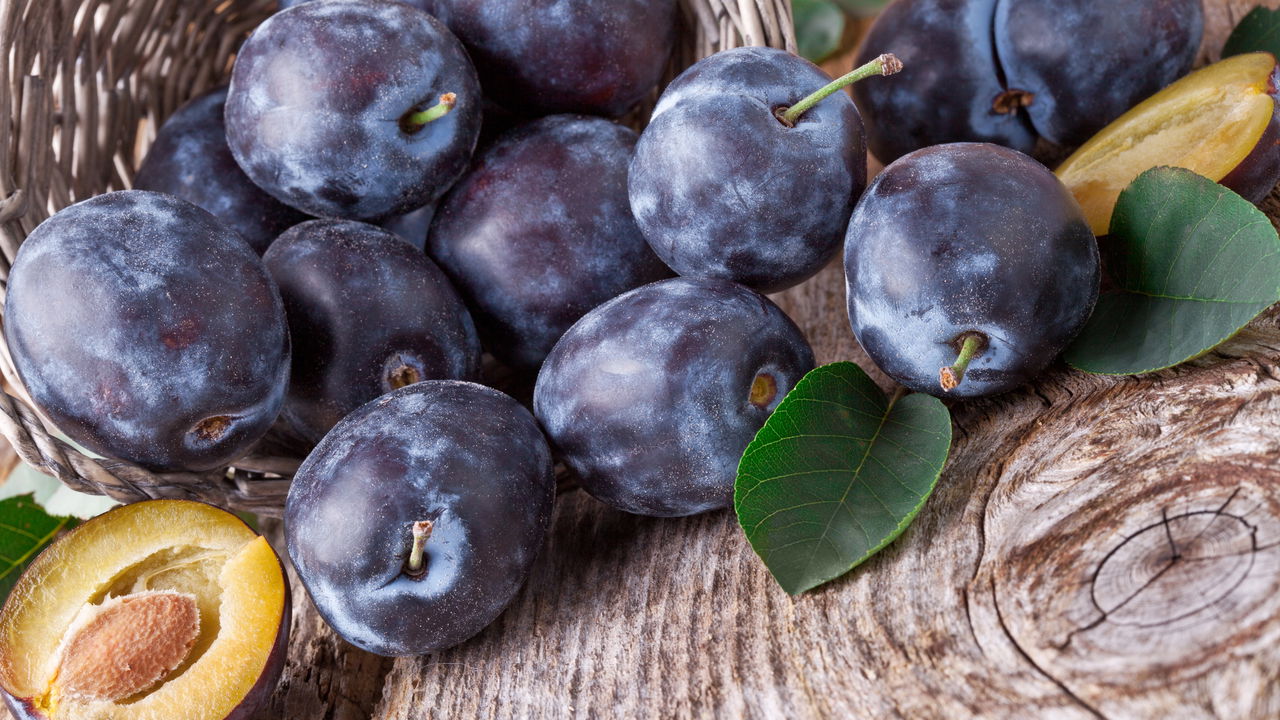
[1220, 122]
[416, 519]
[160, 609]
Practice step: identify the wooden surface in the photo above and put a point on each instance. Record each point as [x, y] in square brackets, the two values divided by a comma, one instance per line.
[1097, 547]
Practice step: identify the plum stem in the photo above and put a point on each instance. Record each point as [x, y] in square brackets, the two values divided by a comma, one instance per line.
[886, 64]
[421, 533]
[416, 121]
[950, 377]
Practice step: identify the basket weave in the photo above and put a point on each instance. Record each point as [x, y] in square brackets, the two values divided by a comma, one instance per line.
[88, 82]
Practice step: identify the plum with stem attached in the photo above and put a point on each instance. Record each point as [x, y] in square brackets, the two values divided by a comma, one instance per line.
[750, 167]
[353, 109]
[969, 268]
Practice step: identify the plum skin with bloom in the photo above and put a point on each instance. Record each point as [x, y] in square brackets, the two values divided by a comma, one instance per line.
[540, 231]
[968, 238]
[320, 110]
[564, 56]
[467, 459]
[368, 313]
[652, 397]
[148, 330]
[722, 188]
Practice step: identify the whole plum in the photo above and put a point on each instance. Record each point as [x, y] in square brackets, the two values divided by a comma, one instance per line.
[652, 397]
[354, 109]
[564, 56]
[417, 518]
[1012, 71]
[540, 231]
[968, 255]
[149, 331]
[950, 87]
[190, 159]
[722, 187]
[1082, 63]
[368, 313]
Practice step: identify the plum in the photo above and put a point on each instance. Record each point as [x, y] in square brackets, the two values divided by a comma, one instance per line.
[368, 313]
[416, 519]
[353, 109]
[540, 231]
[1013, 71]
[424, 5]
[969, 268]
[564, 56]
[652, 397]
[1219, 121]
[183, 611]
[950, 87]
[724, 185]
[190, 159]
[1082, 63]
[147, 330]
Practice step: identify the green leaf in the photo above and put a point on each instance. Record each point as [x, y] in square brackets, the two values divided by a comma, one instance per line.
[25, 530]
[836, 473]
[1259, 30]
[52, 495]
[1192, 262]
[819, 27]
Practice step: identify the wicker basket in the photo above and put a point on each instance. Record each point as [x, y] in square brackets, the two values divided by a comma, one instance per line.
[88, 82]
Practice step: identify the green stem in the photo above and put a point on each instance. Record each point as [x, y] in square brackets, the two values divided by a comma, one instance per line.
[886, 64]
[416, 567]
[950, 377]
[416, 121]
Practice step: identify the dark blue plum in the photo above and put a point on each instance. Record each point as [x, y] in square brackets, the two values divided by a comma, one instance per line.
[1084, 63]
[540, 231]
[721, 188]
[424, 5]
[190, 159]
[950, 87]
[464, 463]
[323, 103]
[413, 225]
[652, 397]
[968, 240]
[1013, 71]
[368, 313]
[564, 56]
[147, 330]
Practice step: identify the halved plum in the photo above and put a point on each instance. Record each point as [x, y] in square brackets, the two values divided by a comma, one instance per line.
[160, 609]
[1213, 122]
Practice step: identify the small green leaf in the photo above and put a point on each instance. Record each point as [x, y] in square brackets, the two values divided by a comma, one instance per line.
[25, 530]
[836, 473]
[52, 495]
[819, 27]
[1259, 30]
[1192, 262]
